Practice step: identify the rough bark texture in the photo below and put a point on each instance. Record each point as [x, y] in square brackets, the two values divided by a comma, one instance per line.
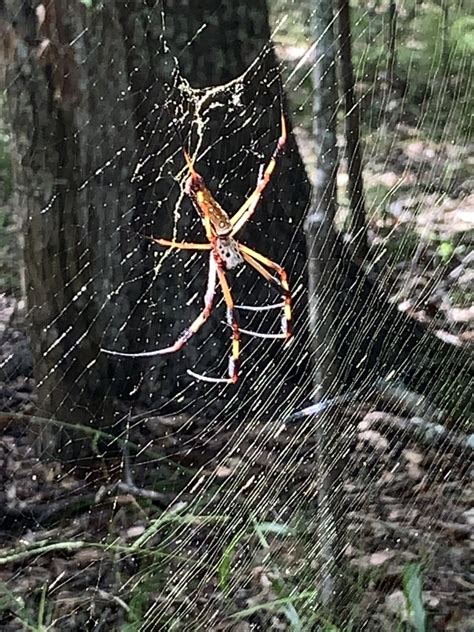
[64, 133]
[86, 94]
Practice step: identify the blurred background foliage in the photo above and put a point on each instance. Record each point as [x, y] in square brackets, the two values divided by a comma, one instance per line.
[433, 49]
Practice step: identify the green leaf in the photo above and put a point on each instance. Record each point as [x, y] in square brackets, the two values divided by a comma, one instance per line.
[273, 527]
[293, 617]
[42, 607]
[445, 250]
[412, 587]
[226, 560]
[275, 604]
[462, 33]
[276, 528]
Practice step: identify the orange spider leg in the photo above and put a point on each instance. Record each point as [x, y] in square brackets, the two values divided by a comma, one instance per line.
[235, 357]
[189, 331]
[254, 258]
[196, 325]
[247, 209]
[189, 162]
[182, 245]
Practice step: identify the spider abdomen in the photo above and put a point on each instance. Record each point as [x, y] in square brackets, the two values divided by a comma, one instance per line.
[227, 252]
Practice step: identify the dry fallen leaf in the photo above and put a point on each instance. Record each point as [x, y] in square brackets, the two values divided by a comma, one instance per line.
[134, 532]
[380, 557]
[374, 438]
[374, 559]
[222, 471]
[414, 472]
[413, 456]
[396, 604]
[86, 556]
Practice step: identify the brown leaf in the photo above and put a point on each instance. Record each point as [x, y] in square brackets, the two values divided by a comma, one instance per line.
[135, 531]
[374, 438]
[222, 471]
[396, 603]
[380, 557]
[86, 556]
[414, 471]
[413, 456]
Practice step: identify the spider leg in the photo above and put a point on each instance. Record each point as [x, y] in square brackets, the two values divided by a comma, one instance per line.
[255, 259]
[207, 378]
[259, 334]
[189, 331]
[261, 308]
[247, 209]
[232, 319]
[182, 245]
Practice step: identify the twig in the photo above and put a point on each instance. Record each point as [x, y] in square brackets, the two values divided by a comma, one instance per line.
[395, 396]
[46, 512]
[131, 488]
[110, 597]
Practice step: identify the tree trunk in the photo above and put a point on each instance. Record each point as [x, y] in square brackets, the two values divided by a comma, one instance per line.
[323, 278]
[357, 216]
[392, 44]
[90, 94]
[445, 53]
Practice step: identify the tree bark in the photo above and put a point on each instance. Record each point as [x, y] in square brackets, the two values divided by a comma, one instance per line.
[323, 278]
[392, 44]
[357, 216]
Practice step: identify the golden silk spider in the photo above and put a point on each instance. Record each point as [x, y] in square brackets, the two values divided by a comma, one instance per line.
[226, 253]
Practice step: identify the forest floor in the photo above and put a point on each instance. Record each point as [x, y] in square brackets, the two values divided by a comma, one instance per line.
[89, 554]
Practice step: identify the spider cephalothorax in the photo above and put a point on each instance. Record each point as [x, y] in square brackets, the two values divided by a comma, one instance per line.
[226, 252]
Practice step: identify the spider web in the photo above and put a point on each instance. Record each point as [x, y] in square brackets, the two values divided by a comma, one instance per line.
[202, 109]
[231, 536]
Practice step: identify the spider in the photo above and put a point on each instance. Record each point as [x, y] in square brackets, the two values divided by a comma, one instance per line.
[225, 254]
